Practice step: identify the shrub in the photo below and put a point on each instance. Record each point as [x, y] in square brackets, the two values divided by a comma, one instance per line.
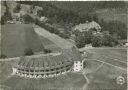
[3, 56]
[17, 8]
[28, 52]
[3, 19]
[47, 51]
[97, 41]
[27, 18]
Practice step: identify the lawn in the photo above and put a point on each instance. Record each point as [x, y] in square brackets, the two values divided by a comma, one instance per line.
[105, 78]
[18, 37]
[60, 42]
[102, 75]
[49, 44]
[115, 53]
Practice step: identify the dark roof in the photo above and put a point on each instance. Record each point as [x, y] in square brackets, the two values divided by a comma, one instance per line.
[65, 57]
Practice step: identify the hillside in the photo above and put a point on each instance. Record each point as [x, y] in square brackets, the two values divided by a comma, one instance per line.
[87, 5]
[105, 10]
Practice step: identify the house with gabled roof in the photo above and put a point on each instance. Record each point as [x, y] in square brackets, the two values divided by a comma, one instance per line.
[88, 26]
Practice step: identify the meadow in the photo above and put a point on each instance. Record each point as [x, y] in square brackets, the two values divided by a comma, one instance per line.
[102, 72]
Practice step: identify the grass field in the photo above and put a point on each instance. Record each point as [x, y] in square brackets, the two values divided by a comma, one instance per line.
[115, 53]
[18, 37]
[49, 44]
[60, 42]
[102, 68]
[105, 78]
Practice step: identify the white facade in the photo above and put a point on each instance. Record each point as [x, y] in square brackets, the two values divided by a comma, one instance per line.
[14, 71]
[43, 19]
[78, 66]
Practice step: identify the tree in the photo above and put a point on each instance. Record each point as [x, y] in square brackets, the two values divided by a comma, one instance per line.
[3, 19]
[28, 52]
[117, 27]
[109, 40]
[88, 17]
[40, 13]
[36, 21]
[17, 8]
[7, 14]
[95, 18]
[27, 18]
[80, 41]
[97, 41]
[88, 37]
[3, 56]
[47, 51]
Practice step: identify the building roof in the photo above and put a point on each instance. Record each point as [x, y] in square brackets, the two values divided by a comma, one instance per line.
[43, 61]
[43, 19]
[87, 26]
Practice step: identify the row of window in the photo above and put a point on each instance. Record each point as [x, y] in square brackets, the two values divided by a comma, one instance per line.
[57, 72]
[47, 70]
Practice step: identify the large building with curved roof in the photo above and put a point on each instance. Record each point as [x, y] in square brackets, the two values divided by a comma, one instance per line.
[66, 58]
[49, 65]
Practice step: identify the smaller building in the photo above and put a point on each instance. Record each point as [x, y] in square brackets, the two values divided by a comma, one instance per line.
[43, 19]
[78, 66]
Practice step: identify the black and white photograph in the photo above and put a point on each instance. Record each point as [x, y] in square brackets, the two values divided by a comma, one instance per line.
[63, 45]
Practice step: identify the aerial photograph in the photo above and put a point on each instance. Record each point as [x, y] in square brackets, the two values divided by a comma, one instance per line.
[63, 45]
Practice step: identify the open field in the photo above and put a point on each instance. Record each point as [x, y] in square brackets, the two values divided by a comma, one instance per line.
[104, 66]
[104, 77]
[16, 38]
[60, 42]
[118, 54]
[49, 44]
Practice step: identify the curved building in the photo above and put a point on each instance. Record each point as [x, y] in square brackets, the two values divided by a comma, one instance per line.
[19, 37]
[49, 65]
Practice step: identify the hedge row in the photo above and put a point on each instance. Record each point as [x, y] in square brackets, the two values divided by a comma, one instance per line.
[50, 29]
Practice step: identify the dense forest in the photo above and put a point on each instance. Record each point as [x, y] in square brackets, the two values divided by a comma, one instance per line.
[69, 14]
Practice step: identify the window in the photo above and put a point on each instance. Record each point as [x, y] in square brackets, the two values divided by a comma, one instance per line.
[41, 70]
[36, 70]
[52, 69]
[57, 68]
[31, 70]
